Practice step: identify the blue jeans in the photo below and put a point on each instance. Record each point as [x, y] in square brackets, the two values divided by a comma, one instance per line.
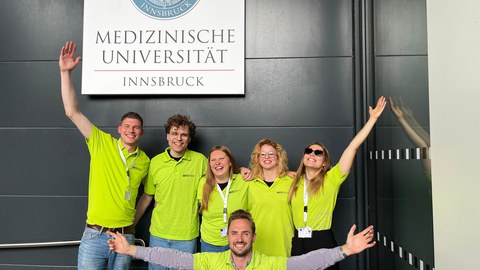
[94, 252]
[206, 247]
[189, 246]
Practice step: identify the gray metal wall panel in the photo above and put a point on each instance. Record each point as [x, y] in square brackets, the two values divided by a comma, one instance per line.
[405, 79]
[299, 28]
[401, 197]
[43, 258]
[44, 162]
[275, 98]
[32, 30]
[299, 88]
[42, 218]
[400, 27]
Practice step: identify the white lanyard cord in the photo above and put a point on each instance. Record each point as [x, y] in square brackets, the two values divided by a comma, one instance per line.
[225, 198]
[127, 168]
[305, 201]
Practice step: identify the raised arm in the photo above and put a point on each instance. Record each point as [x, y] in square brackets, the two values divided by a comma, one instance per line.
[346, 160]
[67, 63]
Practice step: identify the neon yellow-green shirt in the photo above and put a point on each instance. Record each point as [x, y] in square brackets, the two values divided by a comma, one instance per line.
[212, 218]
[272, 216]
[175, 185]
[321, 205]
[222, 261]
[108, 183]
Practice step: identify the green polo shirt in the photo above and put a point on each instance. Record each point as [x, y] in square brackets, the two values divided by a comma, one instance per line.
[108, 182]
[212, 218]
[174, 184]
[223, 261]
[272, 215]
[320, 205]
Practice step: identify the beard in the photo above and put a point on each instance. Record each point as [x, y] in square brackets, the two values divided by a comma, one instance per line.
[244, 252]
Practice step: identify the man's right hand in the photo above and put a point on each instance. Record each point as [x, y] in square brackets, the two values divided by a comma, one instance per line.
[119, 244]
[66, 60]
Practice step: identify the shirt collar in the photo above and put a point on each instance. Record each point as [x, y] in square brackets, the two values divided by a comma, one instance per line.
[124, 149]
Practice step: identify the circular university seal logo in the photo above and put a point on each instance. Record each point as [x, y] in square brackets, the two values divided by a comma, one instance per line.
[164, 9]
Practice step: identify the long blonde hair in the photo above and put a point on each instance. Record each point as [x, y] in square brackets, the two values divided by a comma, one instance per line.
[282, 167]
[314, 185]
[210, 182]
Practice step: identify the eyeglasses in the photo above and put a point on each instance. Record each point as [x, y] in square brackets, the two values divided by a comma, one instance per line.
[269, 154]
[175, 134]
[308, 151]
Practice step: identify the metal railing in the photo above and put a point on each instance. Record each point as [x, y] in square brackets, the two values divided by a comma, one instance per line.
[138, 241]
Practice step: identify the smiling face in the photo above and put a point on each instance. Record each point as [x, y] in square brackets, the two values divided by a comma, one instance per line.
[130, 131]
[268, 157]
[240, 237]
[178, 139]
[220, 164]
[313, 161]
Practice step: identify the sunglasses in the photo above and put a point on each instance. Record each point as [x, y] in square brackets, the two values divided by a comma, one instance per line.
[308, 151]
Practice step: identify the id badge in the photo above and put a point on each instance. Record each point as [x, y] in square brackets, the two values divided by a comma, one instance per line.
[305, 232]
[128, 195]
[223, 232]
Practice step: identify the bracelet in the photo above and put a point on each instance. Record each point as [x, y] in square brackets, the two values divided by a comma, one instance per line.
[344, 255]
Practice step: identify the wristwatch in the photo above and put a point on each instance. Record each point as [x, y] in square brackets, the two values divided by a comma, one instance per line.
[344, 255]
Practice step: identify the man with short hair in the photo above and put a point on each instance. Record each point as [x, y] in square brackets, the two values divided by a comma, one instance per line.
[117, 167]
[173, 180]
[241, 235]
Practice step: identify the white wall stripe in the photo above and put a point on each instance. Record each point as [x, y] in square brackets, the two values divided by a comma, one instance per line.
[411, 259]
[407, 153]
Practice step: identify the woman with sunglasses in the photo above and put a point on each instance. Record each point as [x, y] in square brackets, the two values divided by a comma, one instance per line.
[268, 199]
[220, 193]
[314, 190]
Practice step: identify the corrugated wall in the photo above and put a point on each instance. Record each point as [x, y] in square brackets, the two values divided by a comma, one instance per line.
[304, 82]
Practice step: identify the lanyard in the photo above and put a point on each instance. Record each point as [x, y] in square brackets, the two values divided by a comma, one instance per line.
[127, 168]
[305, 201]
[225, 199]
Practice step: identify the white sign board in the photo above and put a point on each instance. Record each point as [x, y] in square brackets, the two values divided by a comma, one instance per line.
[163, 47]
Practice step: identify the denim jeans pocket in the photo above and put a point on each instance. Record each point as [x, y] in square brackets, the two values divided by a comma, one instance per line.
[89, 234]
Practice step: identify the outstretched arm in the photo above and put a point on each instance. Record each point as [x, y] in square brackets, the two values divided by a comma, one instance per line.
[346, 160]
[325, 257]
[119, 244]
[167, 257]
[358, 242]
[67, 63]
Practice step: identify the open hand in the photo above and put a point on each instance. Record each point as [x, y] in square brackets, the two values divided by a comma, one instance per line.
[66, 60]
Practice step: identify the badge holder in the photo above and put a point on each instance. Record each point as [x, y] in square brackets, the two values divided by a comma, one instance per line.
[305, 232]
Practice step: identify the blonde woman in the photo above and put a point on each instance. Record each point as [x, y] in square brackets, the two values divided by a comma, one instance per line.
[268, 199]
[313, 194]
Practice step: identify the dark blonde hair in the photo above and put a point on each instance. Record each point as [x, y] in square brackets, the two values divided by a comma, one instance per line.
[314, 185]
[241, 214]
[282, 167]
[210, 182]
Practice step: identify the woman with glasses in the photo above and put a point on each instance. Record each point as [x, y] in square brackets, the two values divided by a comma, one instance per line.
[268, 199]
[314, 190]
[220, 193]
